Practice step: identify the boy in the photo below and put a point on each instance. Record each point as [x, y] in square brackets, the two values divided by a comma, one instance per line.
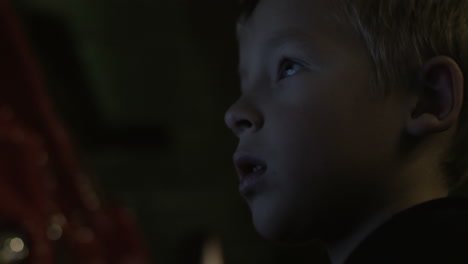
[350, 126]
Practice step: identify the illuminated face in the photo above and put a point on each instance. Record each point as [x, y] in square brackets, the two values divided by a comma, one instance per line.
[307, 110]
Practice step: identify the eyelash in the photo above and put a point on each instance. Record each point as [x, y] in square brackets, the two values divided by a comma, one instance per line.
[286, 62]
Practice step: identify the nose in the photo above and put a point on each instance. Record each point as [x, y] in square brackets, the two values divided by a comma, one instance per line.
[241, 117]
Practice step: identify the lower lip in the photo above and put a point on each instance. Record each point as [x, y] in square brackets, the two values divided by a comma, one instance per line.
[251, 181]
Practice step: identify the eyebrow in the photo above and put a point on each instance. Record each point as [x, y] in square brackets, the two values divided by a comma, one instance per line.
[282, 36]
[303, 40]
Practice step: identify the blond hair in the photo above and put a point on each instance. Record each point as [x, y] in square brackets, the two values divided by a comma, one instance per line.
[400, 36]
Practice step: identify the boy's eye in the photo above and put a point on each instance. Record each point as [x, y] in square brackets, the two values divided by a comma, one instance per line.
[288, 68]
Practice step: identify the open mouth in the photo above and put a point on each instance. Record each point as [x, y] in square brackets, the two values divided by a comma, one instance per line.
[252, 169]
[248, 166]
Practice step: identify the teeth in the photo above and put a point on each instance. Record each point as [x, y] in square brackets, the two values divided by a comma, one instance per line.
[257, 168]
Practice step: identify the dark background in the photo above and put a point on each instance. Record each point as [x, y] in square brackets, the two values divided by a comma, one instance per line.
[142, 86]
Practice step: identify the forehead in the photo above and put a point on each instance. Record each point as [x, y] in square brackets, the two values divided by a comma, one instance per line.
[312, 16]
[311, 24]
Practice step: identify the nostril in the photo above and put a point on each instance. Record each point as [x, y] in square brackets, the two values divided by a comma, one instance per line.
[237, 124]
[244, 123]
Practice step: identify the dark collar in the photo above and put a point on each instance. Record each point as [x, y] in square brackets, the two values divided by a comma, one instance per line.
[435, 231]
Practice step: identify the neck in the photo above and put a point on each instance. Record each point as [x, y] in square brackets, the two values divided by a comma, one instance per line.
[341, 249]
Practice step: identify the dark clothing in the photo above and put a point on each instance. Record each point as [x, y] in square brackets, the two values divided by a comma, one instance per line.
[435, 231]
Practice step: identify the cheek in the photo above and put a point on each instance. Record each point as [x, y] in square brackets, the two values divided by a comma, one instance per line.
[302, 150]
[327, 126]
[320, 148]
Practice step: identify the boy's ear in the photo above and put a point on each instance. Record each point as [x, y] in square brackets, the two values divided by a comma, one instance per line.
[437, 106]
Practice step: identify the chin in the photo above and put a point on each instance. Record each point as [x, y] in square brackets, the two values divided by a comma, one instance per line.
[276, 221]
[276, 227]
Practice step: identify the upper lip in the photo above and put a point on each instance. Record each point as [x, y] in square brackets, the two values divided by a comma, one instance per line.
[245, 162]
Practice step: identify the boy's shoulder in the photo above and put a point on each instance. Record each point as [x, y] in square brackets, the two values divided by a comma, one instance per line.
[435, 231]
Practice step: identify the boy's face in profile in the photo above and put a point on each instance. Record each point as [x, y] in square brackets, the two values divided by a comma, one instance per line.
[307, 110]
